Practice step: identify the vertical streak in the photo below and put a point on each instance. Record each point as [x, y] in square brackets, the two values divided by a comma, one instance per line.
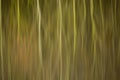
[113, 37]
[75, 36]
[93, 32]
[75, 30]
[67, 67]
[83, 34]
[1, 53]
[115, 12]
[101, 12]
[39, 30]
[67, 77]
[84, 21]
[60, 43]
[18, 22]
[18, 15]
[102, 18]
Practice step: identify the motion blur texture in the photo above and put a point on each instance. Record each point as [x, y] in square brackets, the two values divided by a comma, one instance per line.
[59, 40]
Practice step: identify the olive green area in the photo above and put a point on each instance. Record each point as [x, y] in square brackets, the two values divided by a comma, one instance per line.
[59, 40]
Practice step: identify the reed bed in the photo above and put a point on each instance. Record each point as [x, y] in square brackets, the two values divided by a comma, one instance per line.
[59, 40]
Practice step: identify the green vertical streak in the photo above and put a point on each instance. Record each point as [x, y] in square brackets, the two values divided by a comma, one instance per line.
[84, 22]
[75, 29]
[18, 16]
[9, 63]
[115, 12]
[83, 34]
[60, 35]
[75, 36]
[67, 66]
[8, 46]
[1, 42]
[113, 37]
[103, 36]
[50, 72]
[102, 16]
[93, 33]
[39, 33]
[18, 28]
[67, 40]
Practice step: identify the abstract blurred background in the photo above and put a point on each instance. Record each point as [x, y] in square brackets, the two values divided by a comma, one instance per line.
[59, 40]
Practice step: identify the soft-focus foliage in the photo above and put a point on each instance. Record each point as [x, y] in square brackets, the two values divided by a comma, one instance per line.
[59, 40]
